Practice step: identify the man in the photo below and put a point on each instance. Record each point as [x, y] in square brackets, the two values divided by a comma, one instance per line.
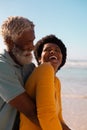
[18, 35]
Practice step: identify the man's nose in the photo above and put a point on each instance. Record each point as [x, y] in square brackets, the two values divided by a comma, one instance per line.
[31, 47]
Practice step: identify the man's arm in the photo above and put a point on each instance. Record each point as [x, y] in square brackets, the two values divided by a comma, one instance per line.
[23, 103]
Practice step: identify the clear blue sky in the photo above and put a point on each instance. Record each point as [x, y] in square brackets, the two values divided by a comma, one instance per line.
[67, 19]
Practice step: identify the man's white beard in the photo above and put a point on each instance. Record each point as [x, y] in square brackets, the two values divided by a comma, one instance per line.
[22, 57]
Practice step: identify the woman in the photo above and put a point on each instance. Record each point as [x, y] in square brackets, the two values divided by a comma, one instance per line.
[44, 87]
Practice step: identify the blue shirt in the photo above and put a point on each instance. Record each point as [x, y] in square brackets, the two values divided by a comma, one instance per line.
[12, 78]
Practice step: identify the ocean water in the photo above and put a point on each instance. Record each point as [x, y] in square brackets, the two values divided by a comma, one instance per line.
[73, 77]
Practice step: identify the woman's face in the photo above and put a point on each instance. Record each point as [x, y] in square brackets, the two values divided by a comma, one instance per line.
[51, 53]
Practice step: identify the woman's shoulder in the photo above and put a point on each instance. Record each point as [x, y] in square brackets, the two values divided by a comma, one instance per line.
[46, 66]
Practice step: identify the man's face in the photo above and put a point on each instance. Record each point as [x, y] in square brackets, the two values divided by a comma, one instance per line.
[23, 47]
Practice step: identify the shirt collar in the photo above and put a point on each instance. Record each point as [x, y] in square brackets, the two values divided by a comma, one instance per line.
[8, 58]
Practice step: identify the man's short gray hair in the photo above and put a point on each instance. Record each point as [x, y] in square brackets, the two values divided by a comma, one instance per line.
[14, 26]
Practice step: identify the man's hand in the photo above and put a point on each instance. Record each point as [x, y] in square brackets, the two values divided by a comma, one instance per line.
[65, 127]
[23, 103]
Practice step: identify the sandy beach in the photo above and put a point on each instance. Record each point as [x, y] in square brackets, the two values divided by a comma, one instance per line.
[75, 112]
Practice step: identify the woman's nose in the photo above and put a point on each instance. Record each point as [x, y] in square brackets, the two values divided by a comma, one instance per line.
[52, 51]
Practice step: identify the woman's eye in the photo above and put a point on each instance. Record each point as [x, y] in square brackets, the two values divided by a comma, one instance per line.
[48, 50]
[57, 50]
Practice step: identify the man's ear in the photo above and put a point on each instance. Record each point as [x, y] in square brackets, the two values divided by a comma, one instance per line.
[9, 42]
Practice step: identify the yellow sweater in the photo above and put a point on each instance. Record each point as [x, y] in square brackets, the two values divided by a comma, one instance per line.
[44, 88]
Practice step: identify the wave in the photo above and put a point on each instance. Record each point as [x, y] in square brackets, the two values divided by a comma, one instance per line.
[76, 63]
